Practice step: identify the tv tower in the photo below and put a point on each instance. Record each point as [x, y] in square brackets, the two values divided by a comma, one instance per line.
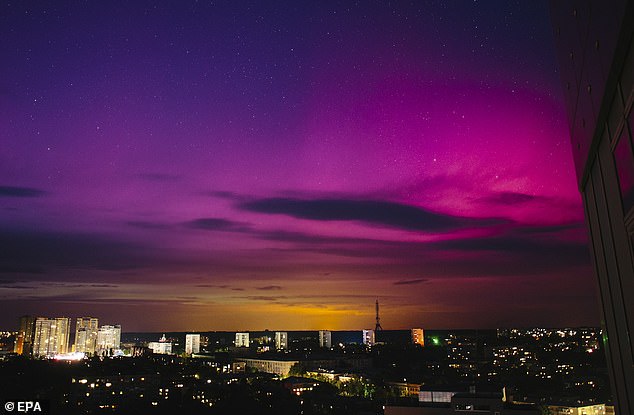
[378, 320]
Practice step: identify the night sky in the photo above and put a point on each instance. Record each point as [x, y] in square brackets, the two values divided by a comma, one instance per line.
[235, 165]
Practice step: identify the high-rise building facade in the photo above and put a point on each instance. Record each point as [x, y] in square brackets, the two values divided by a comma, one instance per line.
[418, 337]
[281, 340]
[24, 339]
[242, 340]
[325, 339]
[51, 336]
[192, 343]
[368, 337]
[595, 49]
[86, 329]
[108, 339]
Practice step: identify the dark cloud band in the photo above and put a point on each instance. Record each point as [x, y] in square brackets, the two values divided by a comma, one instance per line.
[373, 212]
[13, 191]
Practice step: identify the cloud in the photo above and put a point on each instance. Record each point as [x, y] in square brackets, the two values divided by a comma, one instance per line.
[510, 198]
[14, 191]
[321, 296]
[373, 212]
[518, 252]
[218, 224]
[211, 286]
[512, 250]
[518, 245]
[270, 287]
[509, 250]
[11, 285]
[551, 230]
[307, 238]
[262, 298]
[36, 252]
[411, 282]
[75, 285]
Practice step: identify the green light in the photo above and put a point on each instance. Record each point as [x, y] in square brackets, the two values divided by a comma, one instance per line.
[435, 341]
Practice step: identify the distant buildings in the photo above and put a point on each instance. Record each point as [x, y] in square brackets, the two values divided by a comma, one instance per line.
[163, 346]
[24, 339]
[599, 409]
[242, 339]
[408, 389]
[86, 329]
[454, 403]
[349, 367]
[595, 45]
[298, 385]
[418, 337]
[192, 343]
[368, 338]
[278, 367]
[281, 340]
[108, 339]
[430, 396]
[325, 339]
[51, 336]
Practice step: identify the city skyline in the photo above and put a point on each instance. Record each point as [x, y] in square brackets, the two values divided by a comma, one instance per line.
[181, 371]
[181, 167]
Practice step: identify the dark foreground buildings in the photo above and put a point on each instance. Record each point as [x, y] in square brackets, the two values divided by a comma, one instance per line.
[596, 57]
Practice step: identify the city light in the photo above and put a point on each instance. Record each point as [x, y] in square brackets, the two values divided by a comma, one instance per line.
[76, 356]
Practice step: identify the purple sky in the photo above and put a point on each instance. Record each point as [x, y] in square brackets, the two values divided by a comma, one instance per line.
[234, 165]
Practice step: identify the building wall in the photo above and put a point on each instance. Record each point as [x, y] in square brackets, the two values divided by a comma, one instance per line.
[86, 329]
[418, 337]
[596, 57]
[404, 388]
[242, 340]
[281, 340]
[278, 367]
[24, 340]
[192, 343]
[108, 338]
[368, 337]
[325, 339]
[161, 347]
[51, 336]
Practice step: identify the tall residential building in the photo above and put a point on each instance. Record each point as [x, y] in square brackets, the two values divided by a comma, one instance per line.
[368, 337]
[86, 329]
[418, 337]
[24, 340]
[242, 340]
[595, 47]
[325, 339]
[281, 340]
[192, 343]
[108, 339]
[51, 336]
